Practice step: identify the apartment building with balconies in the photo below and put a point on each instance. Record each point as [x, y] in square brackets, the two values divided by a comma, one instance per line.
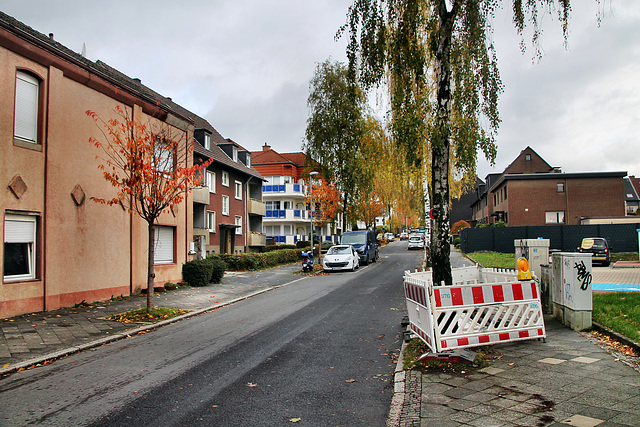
[228, 209]
[284, 192]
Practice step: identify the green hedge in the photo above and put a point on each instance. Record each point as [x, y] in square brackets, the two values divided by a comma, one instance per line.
[197, 272]
[257, 261]
[218, 268]
[270, 248]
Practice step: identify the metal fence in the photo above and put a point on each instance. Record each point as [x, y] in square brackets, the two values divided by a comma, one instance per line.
[567, 238]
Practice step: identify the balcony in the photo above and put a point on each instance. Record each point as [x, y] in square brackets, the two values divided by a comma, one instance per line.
[288, 190]
[287, 215]
[257, 239]
[201, 195]
[256, 207]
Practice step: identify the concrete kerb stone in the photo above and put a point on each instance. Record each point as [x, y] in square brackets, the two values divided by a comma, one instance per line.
[128, 333]
[397, 400]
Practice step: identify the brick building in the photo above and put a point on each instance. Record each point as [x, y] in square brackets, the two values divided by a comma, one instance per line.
[531, 192]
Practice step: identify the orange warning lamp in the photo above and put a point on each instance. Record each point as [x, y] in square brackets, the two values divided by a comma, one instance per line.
[523, 269]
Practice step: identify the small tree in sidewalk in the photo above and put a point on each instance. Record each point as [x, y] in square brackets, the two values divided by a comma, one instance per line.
[150, 165]
[326, 199]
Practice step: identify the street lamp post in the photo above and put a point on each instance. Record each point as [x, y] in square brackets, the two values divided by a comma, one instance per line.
[311, 175]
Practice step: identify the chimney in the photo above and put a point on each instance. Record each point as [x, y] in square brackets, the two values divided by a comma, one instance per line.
[51, 36]
[266, 147]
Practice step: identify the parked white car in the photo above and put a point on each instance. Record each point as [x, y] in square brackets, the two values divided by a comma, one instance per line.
[416, 241]
[389, 237]
[341, 257]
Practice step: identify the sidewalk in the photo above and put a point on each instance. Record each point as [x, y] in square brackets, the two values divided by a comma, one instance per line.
[571, 379]
[33, 339]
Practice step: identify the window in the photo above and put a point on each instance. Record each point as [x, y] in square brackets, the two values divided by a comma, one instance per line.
[555, 217]
[234, 151]
[163, 156]
[239, 225]
[19, 247]
[272, 205]
[527, 157]
[225, 205]
[225, 178]
[211, 221]
[287, 204]
[561, 187]
[207, 141]
[26, 108]
[238, 190]
[211, 181]
[163, 245]
[247, 160]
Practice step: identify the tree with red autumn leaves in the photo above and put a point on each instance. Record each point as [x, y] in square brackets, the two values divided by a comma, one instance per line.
[150, 165]
[326, 199]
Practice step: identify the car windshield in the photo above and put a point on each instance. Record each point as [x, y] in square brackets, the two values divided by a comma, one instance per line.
[339, 250]
[415, 238]
[354, 239]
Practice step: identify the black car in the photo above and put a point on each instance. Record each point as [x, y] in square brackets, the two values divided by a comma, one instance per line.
[599, 249]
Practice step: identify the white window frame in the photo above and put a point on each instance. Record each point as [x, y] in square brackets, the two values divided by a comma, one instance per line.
[164, 243]
[27, 103]
[225, 178]
[207, 141]
[225, 205]
[21, 229]
[163, 156]
[554, 217]
[211, 221]
[234, 152]
[211, 181]
[238, 189]
[239, 223]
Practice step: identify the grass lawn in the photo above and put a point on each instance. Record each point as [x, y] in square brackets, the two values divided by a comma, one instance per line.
[619, 311]
[494, 259]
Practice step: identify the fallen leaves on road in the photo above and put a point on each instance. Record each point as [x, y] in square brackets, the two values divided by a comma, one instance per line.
[350, 381]
[252, 385]
[295, 420]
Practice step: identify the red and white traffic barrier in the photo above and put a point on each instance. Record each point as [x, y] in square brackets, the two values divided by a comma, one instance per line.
[468, 315]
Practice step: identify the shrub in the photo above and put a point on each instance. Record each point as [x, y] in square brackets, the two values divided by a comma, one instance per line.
[254, 261]
[278, 247]
[455, 229]
[456, 242]
[197, 272]
[303, 244]
[218, 268]
[500, 224]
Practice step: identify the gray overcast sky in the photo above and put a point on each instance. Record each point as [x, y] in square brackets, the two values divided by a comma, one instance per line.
[245, 66]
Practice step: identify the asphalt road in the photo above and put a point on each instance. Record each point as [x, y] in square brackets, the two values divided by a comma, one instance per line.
[321, 350]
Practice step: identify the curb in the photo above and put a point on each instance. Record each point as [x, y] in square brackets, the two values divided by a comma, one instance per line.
[397, 401]
[624, 340]
[40, 360]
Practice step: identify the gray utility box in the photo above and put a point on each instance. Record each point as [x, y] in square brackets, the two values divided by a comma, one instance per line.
[571, 291]
[536, 251]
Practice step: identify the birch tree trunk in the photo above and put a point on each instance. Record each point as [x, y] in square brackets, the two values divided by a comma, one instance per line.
[440, 147]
